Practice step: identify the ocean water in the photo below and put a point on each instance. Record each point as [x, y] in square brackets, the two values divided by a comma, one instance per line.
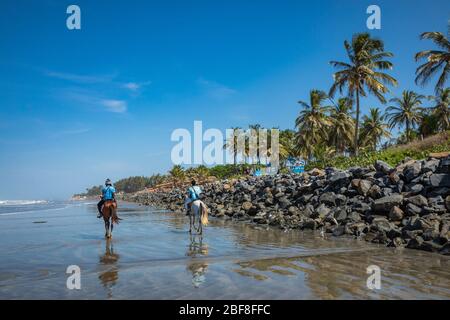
[152, 256]
[12, 207]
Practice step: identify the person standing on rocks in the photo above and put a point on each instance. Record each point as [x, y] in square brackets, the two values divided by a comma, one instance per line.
[193, 194]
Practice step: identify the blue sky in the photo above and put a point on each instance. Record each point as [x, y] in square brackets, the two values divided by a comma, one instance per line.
[79, 106]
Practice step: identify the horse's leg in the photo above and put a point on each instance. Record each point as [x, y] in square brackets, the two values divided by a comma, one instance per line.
[199, 216]
[190, 222]
[200, 219]
[111, 226]
[193, 220]
[106, 226]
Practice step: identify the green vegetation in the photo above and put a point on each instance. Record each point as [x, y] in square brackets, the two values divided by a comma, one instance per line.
[326, 132]
[436, 60]
[127, 185]
[134, 184]
[362, 73]
[393, 155]
[94, 191]
[175, 176]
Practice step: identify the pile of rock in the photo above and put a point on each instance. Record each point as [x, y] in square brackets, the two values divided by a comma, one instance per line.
[408, 205]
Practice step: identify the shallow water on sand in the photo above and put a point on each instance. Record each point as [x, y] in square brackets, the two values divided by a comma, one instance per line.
[152, 256]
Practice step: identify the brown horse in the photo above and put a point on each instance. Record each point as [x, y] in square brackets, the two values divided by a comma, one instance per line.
[109, 212]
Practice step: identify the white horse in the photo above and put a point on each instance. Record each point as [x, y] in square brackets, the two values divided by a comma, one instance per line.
[198, 210]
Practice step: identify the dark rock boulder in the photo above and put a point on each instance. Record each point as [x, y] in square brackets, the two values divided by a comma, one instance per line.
[440, 180]
[381, 224]
[340, 215]
[447, 202]
[412, 210]
[430, 165]
[396, 214]
[444, 166]
[383, 167]
[445, 250]
[339, 179]
[338, 231]
[364, 187]
[415, 243]
[375, 192]
[418, 200]
[386, 203]
[328, 198]
[412, 171]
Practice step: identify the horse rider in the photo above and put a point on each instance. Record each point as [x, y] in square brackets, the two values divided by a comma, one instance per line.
[108, 194]
[193, 194]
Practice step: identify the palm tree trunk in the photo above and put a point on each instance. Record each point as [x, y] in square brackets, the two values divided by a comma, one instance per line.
[408, 136]
[355, 141]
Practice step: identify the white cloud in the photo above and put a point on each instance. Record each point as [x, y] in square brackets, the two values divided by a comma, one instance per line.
[118, 106]
[91, 95]
[93, 99]
[135, 86]
[74, 131]
[88, 79]
[70, 132]
[215, 89]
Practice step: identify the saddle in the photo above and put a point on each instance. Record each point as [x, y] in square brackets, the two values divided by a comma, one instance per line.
[110, 203]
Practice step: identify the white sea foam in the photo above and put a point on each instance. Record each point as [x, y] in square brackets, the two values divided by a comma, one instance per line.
[21, 202]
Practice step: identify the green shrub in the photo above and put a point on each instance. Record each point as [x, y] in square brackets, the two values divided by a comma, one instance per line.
[393, 156]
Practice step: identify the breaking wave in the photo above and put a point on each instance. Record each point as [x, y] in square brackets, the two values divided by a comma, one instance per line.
[21, 202]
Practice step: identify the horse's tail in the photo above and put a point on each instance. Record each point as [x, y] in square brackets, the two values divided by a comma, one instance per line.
[204, 214]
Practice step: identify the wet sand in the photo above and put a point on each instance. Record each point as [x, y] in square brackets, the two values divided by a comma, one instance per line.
[152, 256]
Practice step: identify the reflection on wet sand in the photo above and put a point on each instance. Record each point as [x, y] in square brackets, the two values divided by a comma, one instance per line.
[334, 268]
[343, 275]
[232, 260]
[250, 235]
[197, 249]
[108, 263]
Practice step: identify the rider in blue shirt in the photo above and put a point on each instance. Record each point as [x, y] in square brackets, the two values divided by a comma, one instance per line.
[194, 192]
[108, 193]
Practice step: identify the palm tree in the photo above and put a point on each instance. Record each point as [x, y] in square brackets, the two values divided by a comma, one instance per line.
[322, 153]
[437, 60]
[177, 174]
[270, 146]
[374, 128]
[342, 125]
[407, 111]
[428, 124]
[156, 179]
[312, 122]
[288, 145]
[441, 110]
[255, 129]
[201, 172]
[231, 144]
[190, 173]
[403, 139]
[360, 75]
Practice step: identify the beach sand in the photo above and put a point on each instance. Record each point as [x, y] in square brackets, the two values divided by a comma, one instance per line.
[152, 256]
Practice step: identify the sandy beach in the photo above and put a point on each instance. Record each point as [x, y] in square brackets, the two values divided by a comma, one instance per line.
[152, 256]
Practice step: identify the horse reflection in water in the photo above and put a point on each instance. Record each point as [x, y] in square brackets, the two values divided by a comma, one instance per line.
[197, 249]
[110, 273]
